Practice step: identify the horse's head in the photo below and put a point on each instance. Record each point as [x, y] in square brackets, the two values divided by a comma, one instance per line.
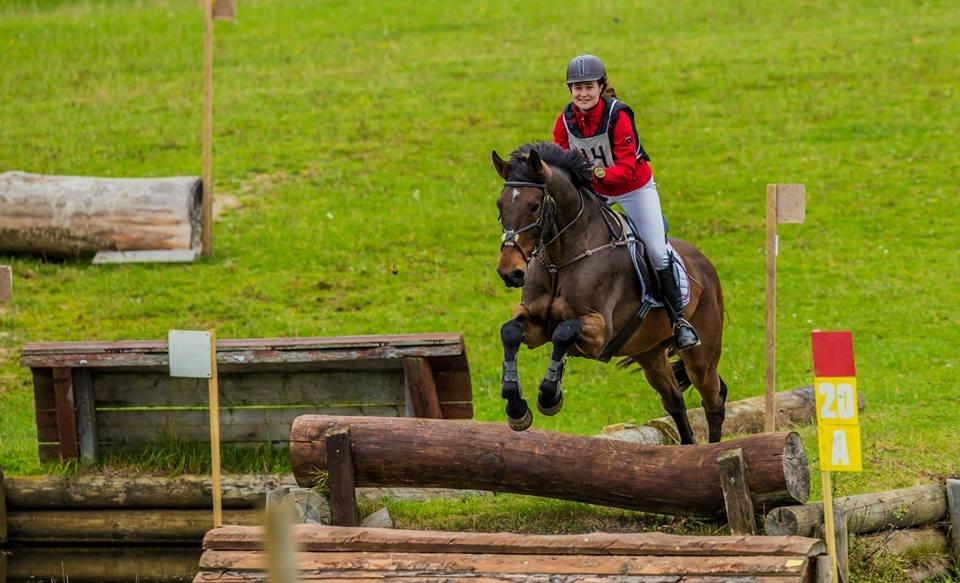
[525, 210]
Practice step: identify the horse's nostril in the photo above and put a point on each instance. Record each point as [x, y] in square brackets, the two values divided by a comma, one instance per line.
[515, 278]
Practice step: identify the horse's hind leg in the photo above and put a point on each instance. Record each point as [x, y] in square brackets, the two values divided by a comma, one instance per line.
[701, 366]
[659, 374]
[519, 417]
[550, 399]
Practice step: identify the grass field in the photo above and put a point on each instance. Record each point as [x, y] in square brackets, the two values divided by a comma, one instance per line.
[355, 140]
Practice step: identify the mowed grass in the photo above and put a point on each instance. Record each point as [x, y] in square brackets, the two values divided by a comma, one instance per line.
[355, 139]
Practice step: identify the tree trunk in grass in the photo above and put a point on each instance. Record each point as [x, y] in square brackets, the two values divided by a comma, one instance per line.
[77, 215]
[489, 456]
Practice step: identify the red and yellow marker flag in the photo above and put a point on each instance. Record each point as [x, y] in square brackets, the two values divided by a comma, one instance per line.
[838, 418]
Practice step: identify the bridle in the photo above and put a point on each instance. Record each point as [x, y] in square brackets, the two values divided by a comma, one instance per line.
[545, 219]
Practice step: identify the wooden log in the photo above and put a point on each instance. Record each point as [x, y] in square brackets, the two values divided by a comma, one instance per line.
[312, 537]
[343, 493]
[115, 526]
[111, 491]
[637, 434]
[953, 504]
[76, 215]
[736, 495]
[746, 416]
[901, 508]
[489, 456]
[906, 541]
[120, 564]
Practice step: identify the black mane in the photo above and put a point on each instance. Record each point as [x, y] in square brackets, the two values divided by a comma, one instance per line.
[569, 160]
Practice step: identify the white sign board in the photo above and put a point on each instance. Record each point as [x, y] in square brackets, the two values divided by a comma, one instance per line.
[189, 354]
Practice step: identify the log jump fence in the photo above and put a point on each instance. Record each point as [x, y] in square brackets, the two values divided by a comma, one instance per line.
[95, 395]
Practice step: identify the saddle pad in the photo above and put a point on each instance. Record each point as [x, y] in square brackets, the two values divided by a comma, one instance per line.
[638, 253]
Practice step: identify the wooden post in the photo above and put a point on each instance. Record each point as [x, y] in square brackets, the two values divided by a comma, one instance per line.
[771, 319]
[343, 494]
[280, 543]
[6, 283]
[423, 389]
[207, 217]
[3, 510]
[215, 433]
[86, 415]
[953, 510]
[736, 495]
[828, 529]
[66, 416]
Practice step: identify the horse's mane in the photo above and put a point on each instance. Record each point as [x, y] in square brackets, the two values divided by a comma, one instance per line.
[572, 161]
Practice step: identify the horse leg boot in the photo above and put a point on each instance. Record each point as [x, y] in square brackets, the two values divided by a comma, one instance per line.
[519, 417]
[550, 399]
[685, 335]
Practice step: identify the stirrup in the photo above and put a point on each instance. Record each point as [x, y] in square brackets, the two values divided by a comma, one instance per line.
[681, 327]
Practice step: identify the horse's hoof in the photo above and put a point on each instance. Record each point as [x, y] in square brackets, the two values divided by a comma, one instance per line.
[521, 424]
[552, 409]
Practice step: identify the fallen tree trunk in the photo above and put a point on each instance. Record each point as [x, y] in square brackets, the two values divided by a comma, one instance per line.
[745, 416]
[489, 456]
[107, 491]
[901, 508]
[77, 215]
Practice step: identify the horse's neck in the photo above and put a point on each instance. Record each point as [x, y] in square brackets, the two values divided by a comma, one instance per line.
[581, 221]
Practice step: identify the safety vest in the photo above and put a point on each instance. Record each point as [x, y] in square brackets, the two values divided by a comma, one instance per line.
[598, 147]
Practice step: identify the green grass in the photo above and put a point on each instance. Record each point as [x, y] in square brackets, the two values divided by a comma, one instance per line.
[356, 138]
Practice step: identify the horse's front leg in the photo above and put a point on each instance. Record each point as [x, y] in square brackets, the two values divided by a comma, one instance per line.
[587, 332]
[519, 417]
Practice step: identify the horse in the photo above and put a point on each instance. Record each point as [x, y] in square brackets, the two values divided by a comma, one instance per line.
[569, 252]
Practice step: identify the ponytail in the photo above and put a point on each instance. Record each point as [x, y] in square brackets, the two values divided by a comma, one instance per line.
[610, 92]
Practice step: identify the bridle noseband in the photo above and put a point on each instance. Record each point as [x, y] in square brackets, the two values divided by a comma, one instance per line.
[548, 207]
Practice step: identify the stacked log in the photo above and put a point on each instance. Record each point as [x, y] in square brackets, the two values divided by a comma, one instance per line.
[327, 552]
[683, 480]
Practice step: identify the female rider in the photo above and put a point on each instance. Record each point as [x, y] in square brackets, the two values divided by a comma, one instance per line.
[603, 129]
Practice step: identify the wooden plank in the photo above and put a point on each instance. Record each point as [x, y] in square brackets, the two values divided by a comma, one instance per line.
[736, 495]
[953, 511]
[312, 537]
[86, 415]
[47, 426]
[368, 576]
[343, 491]
[311, 389]
[43, 395]
[236, 425]
[423, 390]
[6, 283]
[115, 526]
[3, 509]
[66, 415]
[462, 565]
[146, 256]
[48, 451]
[457, 410]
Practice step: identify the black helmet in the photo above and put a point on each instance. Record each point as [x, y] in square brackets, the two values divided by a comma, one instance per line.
[585, 68]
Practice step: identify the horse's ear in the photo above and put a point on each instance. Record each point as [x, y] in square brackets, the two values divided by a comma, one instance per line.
[535, 163]
[500, 165]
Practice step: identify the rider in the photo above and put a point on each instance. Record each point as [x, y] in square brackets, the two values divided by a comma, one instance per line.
[603, 129]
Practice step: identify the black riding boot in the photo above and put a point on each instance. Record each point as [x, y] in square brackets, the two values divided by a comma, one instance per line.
[684, 334]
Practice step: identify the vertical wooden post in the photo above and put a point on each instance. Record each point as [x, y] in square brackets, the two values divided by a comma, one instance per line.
[736, 494]
[953, 510]
[423, 388]
[769, 424]
[86, 415]
[6, 283]
[343, 493]
[828, 524]
[280, 542]
[66, 415]
[207, 216]
[215, 432]
[3, 511]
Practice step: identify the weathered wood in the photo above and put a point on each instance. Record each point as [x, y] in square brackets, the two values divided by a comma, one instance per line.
[953, 504]
[824, 568]
[901, 508]
[736, 495]
[3, 508]
[422, 389]
[906, 541]
[341, 480]
[637, 434]
[103, 491]
[86, 415]
[66, 416]
[454, 565]
[746, 416]
[166, 256]
[6, 283]
[489, 456]
[75, 215]
[113, 526]
[108, 564]
[393, 577]
[313, 537]
[841, 534]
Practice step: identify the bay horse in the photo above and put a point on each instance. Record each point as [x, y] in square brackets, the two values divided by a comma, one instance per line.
[567, 250]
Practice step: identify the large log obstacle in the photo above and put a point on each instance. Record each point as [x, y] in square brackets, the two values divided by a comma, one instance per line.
[489, 456]
[77, 215]
[338, 553]
[94, 395]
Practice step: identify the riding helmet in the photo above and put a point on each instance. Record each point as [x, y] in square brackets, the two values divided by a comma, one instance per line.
[585, 68]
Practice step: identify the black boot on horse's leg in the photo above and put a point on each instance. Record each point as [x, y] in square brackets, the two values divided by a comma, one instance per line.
[519, 416]
[684, 334]
[550, 399]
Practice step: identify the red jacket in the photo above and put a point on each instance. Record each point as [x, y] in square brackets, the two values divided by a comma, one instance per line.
[627, 173]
